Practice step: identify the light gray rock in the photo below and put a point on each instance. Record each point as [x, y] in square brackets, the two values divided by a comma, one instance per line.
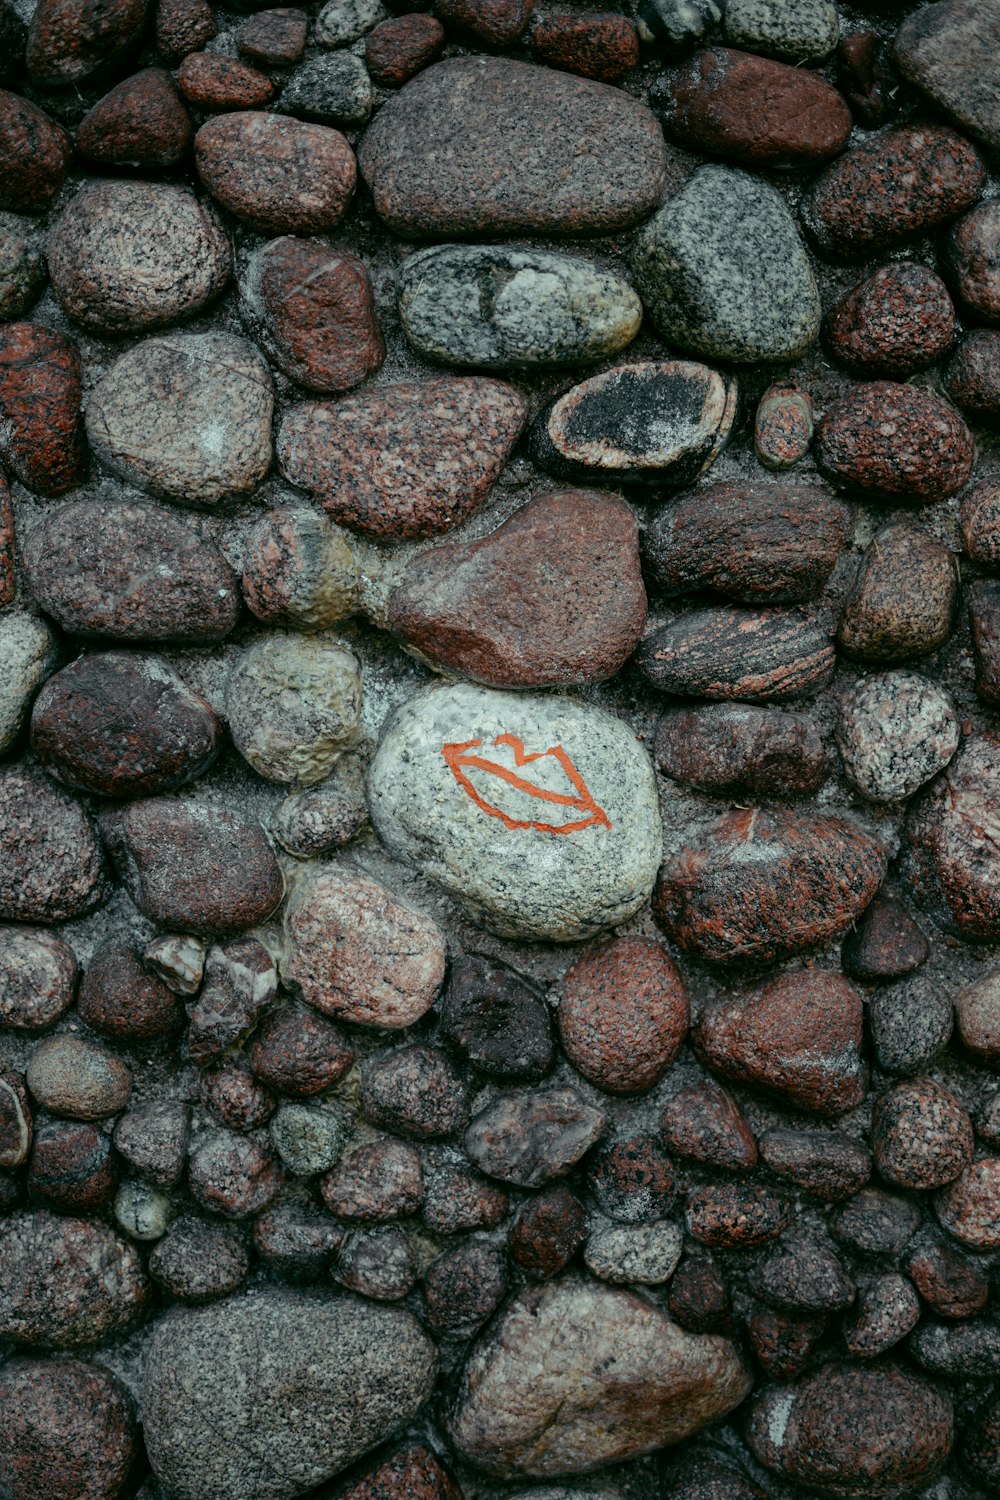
[142, 1212]
[22, 273]
[262, 1397]
[949, 50]
[186, 416]
[676, 23]
[798, 30]
[309, 1138]
[646, 1253]
[723, 272]
[575, 1374]
[895, 731]
[333, 90]
[27, 656]
[497, 308]
[539, 815]
[293, 704]
[341, 22]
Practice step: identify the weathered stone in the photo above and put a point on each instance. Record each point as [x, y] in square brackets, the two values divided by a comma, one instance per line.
[215, 83]
[921, 1136]
[741, 751]
[41, 430]
[895, 731]
[597, 44]
[38, 972]
[141, 122]
[379, 1180]
[887, 1308]
[68, 1431]
[51, 869]
[895, 443]
[293, 704]
[282, 176]
[783, 427]
[69, 40]
[896, 322]
[736, 1215]
[902, 601]
[969, 1207]
[804, 32]
[948, 50]
[703, 1122]
[885, 943]
[66, 1282]
[334, 90]
[402, 46]
[824, 1162]
[972, 260]
[28, 652]
[299, 569]
[496, 1019]
[528, 1139]
[77, 1079]
[34, 155]
[758, 656]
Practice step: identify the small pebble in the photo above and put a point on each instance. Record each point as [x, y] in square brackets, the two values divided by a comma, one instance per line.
[972, 375]
[309, 1138]
[643, 1254]
[274, 38]
[528, 1139]
[142, 1212]
[901, 604]
[377, 1263]
[38, 973]
[335, 90]
[374, 1182]
[216, 84]
[783, 427]
[27, 655]
[887, 1309]
[496, 1019]
[41, 430]
[77, 1079]
[595, 44]
[34, 156]
[119, 1000]
[885, 943]
[293, 706]
[195, 1261]
[341, 22]
[896, 730]
[547, 1233]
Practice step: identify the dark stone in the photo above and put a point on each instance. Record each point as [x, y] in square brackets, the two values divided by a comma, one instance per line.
[827, 1163]
[761, 656]
[548, 1231]
[884, 943]
[120, 1000]
[51, 868]
[735, 1215]
[495, 1019]
[416, 1091]
[704, 1123]
[41, 388]
[633, 1179]
[902, 602]
[741, 751]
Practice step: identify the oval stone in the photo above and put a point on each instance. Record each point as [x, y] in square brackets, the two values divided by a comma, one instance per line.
[66, 1282]
[51, 869]
[895, 442]
[497, 308]
[658, 422]
[282, 176]
[590, 158]
[757, 656]
[538, 815]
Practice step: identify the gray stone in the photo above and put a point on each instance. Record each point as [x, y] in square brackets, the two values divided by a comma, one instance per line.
[537, 814]
[333, 90]
[497, 308]
[51, 868]
[142, 1212]
[27, 656]
[969, 1351]
[575, 1374]
[341, 22]
[66, 1282]
[723, 272]
[22, 274]
[309, 1138]
[911, 1024]
[895, 731]
[798, 30]
[262, 1397]
[186, 416]
[293, 704]
[644, 1253]
[531, 1138]
[676, 24]
[949, 50]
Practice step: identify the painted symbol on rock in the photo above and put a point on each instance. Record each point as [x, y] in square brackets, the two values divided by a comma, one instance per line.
[460, 761]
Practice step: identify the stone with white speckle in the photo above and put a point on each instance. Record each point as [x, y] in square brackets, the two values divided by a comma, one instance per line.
[797, 30]
[27, 655]
[895, 731]
[341, 22]
[643, 1253]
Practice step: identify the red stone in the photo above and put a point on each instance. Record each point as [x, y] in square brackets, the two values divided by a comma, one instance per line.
[282, 176]
[596, 44]
[140, 123]
[896, 322]
[274, 37]
[183, 26]
[300, 1053]
[493, 23]
[951, 860]
[413, 1474]
[972, 375]
[216, 83]
[704, 1123]
[896, 443]
[735, 1215]
[68, 1431]
[400, 47]
[34, 156]
[68, 40]
[783, 1341]
[119, 999]
[867, 79]
[40, 393]
[547, 1232]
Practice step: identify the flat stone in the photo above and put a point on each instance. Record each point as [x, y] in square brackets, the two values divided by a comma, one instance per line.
[493, 611]
[949, 51]
[67, 1282]
[735, 749]
[597, 44]
[723, 273]
[274, 38]
[402, 46]
[590, 158]
[271, 1394]
[215, 83]
[494, 308]
[895, 443]
[448, 440]
[824, 1162]
[282, 176]
[646, 1254]
[658, 422]
[757, 656]
[804, 32]
[51, 867]
[538, 815]
[537, 1398]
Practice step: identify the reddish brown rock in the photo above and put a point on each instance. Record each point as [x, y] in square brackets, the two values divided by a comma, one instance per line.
[887, 1309]
[951, 860]
[67, 1282]
[140, 123]
[633, 1179]
[233, 1175]
[69, 40]
[231, 1093]
[415, 1091]
[799, 1036]
[528, 1139]
[168, 584]
[197, 1262]
[314, 312]
[984, 619]
[757, 543]
[123, 725]
[734, 749]
[698, 1298]
[876, 1223]
[972, 261]
[885, 943]
[735, 1215]
[704, 1123]
[68, 1431]
[766, 883]
[761, 656]
[51, 869]
[623, 1014]
[194, 866]
[969, 1207]
[274, 38]
[979, 518]
[449, 440]
[921, 1136]
[784, 1341]
[596, 44]
[892, 186]
[902, 601]
[374, 1182]
[867, 79]
[300, 1053]
[951, 1285]
[464, 1286]
[977, 1011]
[215, 83]
[34, 156]
[412, 1474]
[490, 23]
[803, 1275]
[754, 109]
[16, 1126]
[972, 375]
[547, 1233]
[897, 321]
[38, 973]
[783, 427]
[895, 442]
[119, 999]
[183, 26]
[71, 1170]
[402, 46]
[41, 430]
[456, 1199]
[153, 1139]
[8, 574]
[493, 611]
[827, 1163]
[282, 176]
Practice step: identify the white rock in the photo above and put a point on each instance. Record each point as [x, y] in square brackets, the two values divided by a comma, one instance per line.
[341, 22]
[294, 704]
[645, 1253]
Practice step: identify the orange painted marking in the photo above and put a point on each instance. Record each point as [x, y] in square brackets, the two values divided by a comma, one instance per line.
[459, 760]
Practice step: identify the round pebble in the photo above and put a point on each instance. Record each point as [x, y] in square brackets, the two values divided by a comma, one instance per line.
[78, 1079]
[895, 731]
[293, 705]
[623, 1013]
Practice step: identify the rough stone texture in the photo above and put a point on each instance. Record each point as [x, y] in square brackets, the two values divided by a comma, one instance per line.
[375, 1182]
[722, 271]
[527, 1139]
[830, 1165]
[126, 257]
[895, 731]
[590, 158]
[78, 1079]
[182, 26]
[492, 611]
[895, 443]
[293, 703]
[299, 569]
[282, 176]
[271, 1394]
[300, 1053]
[921, 1136]
[187, 416]
[41, 431]
[38, 972]
[27, 654]
[405, 460]
[68, 1431]
[402, 46]
[910, 1027]
[598, 44]
[141, 122]
[68, 41]
[901, 604]
[485, 808]
[972, 376]
[803, 32]
[969, 1207]
[948, 50]
[494, 1018]
[274, 38]
[972, 261]
[867, 78]
[741, 751]
[897, 321]
[646, 1254]
[216, 84]
[169, 585]
[783, 427]
[51, 869]
[415, 1091]
[66, 1282]
[523, 1410]
[950, 1284]
[885, 943]
[887, 1308]
[704, 1123]
[34, 156]
[758, 656]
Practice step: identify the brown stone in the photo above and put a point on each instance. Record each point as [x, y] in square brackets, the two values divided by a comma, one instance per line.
[948, 51]
[119, 999]
[969, 1207]
[972, 261]
[274, 38]
[897, 321]
[977, 1012]
[71, 1170]
[449, 439]
[736, 1215]
[490, 23]
[979, 517]
[231, 1093]
[69, 40]
[759, 543]
[783, 1341]
[456, 1199]
[493, 611]
[867, 79]
[704, 1123]
[38, 972]
[901, 604]
[402, 46]
[141, 122]
[68, 1431]
[623, 1014]
[921, 1135]
[595, 44]
[984, 619]
[951, 1285]
[51, 869]
[67, 1282]
[233, 1175]
[824, 1162]
[760, 656]
[799, 1036]
[633, 1179]
[886, 1310]
[300, 1053]
[16, 1125]
[528, 1139]
[41, 430]
[240, 984]
[412, 1474]
[123, 725]
[590, 158]
[783, 427]
[375, 1182]
[314, 312]
[282, 176]
[885, 943]
[548, 1231]
[34, 156]
[215, 83]
[197, 1262]
[754, 109]
[168, 584]
[8, 547]
[899, 183]
[802, 1274]
[415, 1091]
[194, 866]
[972, 375]
[895, 442]
[737, 750]
[496, 1019]
[183, 26]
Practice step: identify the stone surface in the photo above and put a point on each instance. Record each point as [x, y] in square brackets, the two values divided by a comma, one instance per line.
[68, 42]
[921, 1136]
[127, 257]
[141, 122]
[496, 1019]
[722, 271]
[271, 1394]
[500, 830]
[38, 972]
[274, 38]
[736, 1216]
[724, 652]
[977, 1013]
[299, 569]
[824, 1162]
[299, 1052]
[740, 750]
[492, 611]
[887, 1308]
[41, 436]
[885, 943]
[22, 274]
[979, 517]
[803, 1274]
[590, 159]
[598, 44]
[548, 1231]
[448, 440]
[528, 1139]
[972, 376]
[415, 1091]
[293, 704]
[27, 655]
[704, 1123]
[897, 321]
[282, 176]
[896, 731]
[341, 22]
[334, 90]
[35, 156]
[374, 1182]
[169, 585]
[972, 261]
[66, 1282]
[68, 1431]
[948, 51]
[895, 443]
[402, 46]
[216, 84]
[186, 416]
[783, 427]
[644, 1254]
[51, 868]
[911, 1025]
[969, 1207]
[522, 1410]
[78, 1079]
[804, 32]
[901, 604]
